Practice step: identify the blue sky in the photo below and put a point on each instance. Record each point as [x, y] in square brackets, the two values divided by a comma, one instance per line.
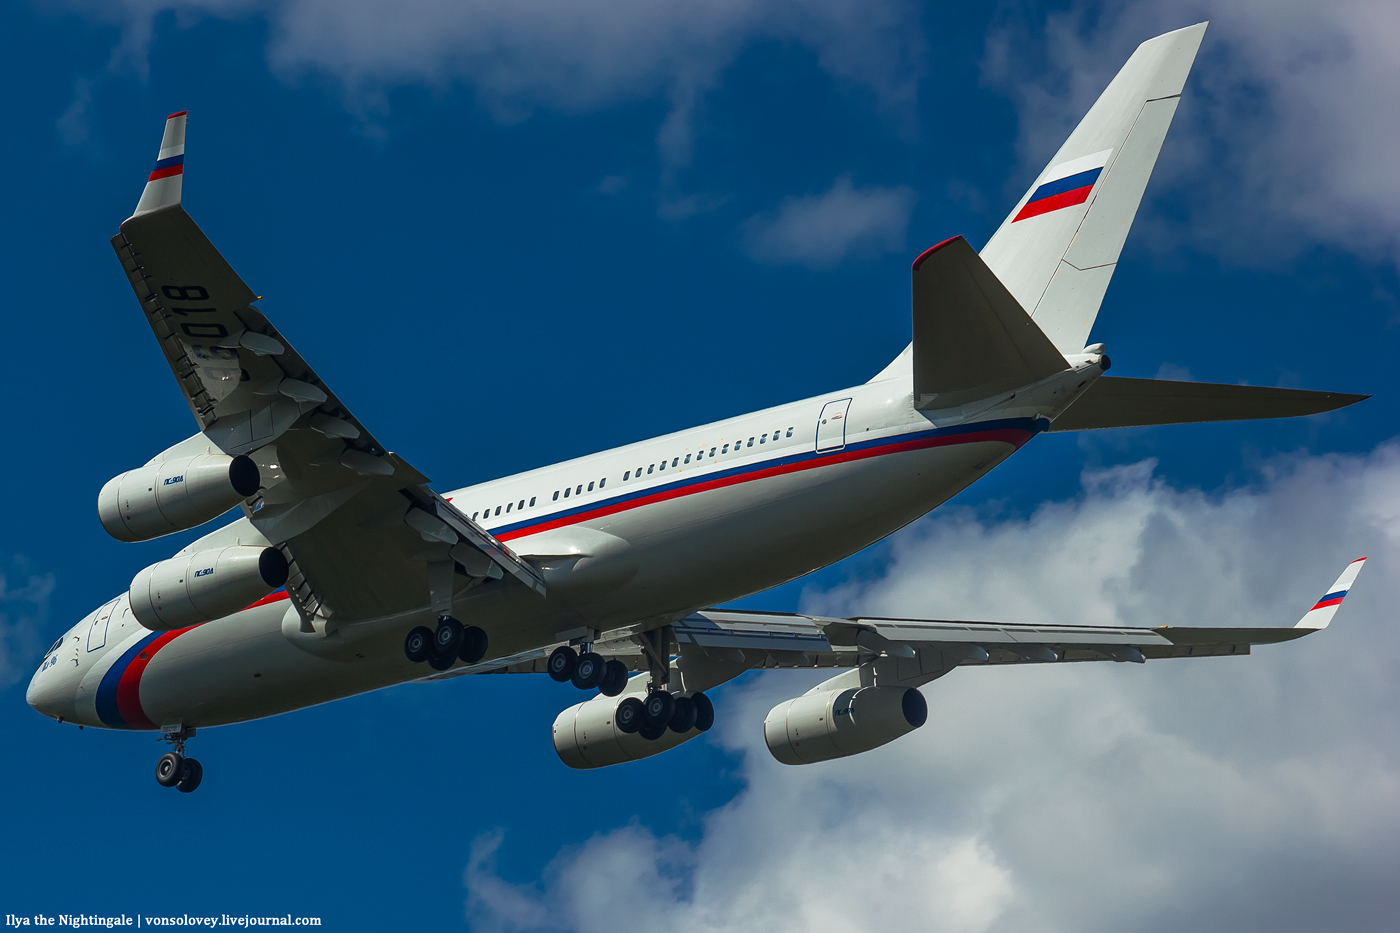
[539, 230]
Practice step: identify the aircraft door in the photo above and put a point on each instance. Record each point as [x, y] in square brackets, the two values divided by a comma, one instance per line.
[831, 426]
[97, 632]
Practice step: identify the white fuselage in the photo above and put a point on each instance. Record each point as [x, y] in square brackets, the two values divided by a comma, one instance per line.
[638, 534]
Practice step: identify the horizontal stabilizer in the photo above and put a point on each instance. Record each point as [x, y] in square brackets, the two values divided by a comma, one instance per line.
[1115, 402]
[972, 340]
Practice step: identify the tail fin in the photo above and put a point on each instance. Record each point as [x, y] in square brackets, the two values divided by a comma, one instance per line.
[163, 187]
[1057, 250]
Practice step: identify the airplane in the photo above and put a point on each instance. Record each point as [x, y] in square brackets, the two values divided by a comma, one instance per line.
[347, 572]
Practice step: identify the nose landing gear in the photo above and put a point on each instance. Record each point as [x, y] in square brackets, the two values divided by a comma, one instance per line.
[174, 769]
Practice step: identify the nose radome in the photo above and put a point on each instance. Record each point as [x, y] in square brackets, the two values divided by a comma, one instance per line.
[51, 694]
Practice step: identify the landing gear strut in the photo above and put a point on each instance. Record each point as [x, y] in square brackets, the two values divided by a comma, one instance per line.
[174, 769]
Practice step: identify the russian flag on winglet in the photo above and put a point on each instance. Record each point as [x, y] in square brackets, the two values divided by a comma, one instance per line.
[1070, 184]
[164, 183]
[1320, 614]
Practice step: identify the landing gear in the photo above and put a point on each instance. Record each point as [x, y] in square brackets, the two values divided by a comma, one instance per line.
[174, 769]
[683, 719]
[170, 769]
[589, 671]
[562, 661]
[628, 715]
[442, 647]
[657, 708]
[419, 644]
[614, 678]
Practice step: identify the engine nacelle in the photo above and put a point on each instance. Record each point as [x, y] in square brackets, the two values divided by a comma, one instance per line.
[827, 724]
[170, 496]
[585, 736]
[202, 586]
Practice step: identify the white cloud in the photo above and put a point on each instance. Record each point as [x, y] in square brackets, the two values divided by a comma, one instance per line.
[823, 229]
[24, 605]
[1286, 128]
[1255, 793]
[569, 55]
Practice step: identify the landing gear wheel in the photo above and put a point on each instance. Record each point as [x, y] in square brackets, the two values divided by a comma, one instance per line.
[447, 641]
[169, 769]
[589, 671]
[473, 645]
[193, 773]
[704, 712]
[562, 661]
[614, 678]
[651, 733]
[658, 708]
[419, 644]
[683, 719]
[628, 715]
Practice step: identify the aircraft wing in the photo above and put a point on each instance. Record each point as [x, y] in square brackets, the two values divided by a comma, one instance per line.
[361, 529]
[932, 646]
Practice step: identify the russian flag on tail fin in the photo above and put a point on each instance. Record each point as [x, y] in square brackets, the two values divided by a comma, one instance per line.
[1065, 186]
[163, 187]
[1321, 614]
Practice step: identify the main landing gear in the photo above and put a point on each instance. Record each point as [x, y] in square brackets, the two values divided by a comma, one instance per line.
[587, 671]
[174, 769]
[650, 718]
[450, 642]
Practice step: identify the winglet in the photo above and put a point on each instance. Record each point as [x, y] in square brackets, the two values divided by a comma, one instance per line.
[163, 187]
[1319, 615]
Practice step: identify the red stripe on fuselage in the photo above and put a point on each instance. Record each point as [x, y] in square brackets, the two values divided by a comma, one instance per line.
[1054, 203]
[1016, 438]
[129, 687]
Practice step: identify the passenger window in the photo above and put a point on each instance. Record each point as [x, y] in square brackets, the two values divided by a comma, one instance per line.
[687, 458]
[532, 502]
[579, 490]
[521, 505]
[556, 495]
[498, 510]
[566, 493]
[602, 482]
[626, 476]
[725, 450]
[675, 461]
[789, 433]
[763, 439]
[590, 487]
[712, 451]
[508, 505]
[474, 515]
[663, 464]
[650, 468]
[750, 442]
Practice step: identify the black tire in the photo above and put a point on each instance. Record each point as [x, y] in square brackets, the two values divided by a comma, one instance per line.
[589, 671]
[441, 662]
[447, 640]
[473, 645]
[169, 769]
[704, 712]
[419, 644]
[193, 774]
[651, 732]
[628, 715]
[562, 661]
[658, 707]
[683, 719]
[614, 680]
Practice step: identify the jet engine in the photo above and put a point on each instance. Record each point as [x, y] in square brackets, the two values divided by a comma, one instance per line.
[163, 498]
[586, 735]
[201, 586]
[826, 723]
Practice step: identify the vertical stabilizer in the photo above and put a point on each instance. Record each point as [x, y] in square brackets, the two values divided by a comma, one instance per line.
[1058, 248]
[167, 178]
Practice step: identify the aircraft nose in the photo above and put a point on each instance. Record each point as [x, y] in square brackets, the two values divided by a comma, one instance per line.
[50, 693]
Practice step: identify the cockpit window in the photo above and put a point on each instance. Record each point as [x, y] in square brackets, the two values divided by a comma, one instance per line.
[53, 647]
